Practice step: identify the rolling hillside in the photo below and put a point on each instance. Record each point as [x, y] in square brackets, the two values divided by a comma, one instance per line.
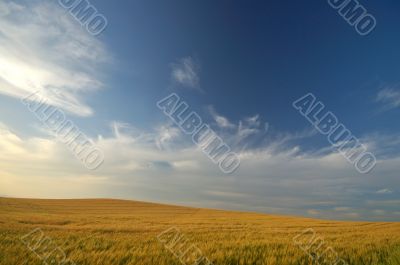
[128, 232]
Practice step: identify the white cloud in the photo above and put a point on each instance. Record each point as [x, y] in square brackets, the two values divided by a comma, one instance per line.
[219, 193]
[248, 127]
[236, 134]
[221, 121]
[166, 134]
[186, 73]
[384, 203]
[270, 178]
[42, 48]
[378, 212]
[342, 209]
[384, 191]
[390, 97]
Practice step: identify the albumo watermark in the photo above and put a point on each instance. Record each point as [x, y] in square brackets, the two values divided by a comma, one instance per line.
[355, 14]
[45, 248]
[202, 135]
[180, 247]
[315, 247]
[65, 131]
[337, 134]
[86, 14]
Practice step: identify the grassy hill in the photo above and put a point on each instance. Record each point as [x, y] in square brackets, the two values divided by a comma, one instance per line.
[127, 232]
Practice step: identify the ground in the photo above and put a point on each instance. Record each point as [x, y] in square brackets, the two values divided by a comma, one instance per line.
[128, 232]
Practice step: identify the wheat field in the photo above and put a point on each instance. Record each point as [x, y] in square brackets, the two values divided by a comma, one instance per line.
[127, 232]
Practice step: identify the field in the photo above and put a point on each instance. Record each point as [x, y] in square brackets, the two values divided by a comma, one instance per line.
[127, 232]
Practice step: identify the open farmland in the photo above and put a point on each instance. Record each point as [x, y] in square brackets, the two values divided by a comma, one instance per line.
[126, 232]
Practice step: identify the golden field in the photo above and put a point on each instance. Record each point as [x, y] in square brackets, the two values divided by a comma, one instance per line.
[127, 232]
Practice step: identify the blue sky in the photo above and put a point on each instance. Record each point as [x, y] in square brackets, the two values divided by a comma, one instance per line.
[240, 66]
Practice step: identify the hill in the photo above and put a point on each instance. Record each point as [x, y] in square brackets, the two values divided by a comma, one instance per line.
[102, 231]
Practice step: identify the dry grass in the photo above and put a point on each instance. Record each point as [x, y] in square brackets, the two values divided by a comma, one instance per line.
[125, 232]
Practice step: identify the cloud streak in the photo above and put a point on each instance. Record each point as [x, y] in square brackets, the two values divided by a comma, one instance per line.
[186, 73]
[390, 97]
[276, 178]
[43, 49]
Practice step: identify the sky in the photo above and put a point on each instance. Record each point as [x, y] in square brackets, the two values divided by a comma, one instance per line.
[239, 66]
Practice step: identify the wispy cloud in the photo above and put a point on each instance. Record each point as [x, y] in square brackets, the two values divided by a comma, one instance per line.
[390, 97]
[43, 49]
[166, 134]
[276, 177]
[221, 121]
[384, 191]
[219, 193]
[185, 72]
[249, 126]
[342, 209]
[237, 132]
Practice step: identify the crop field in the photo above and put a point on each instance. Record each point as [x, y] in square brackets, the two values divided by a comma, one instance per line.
[121, 232]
